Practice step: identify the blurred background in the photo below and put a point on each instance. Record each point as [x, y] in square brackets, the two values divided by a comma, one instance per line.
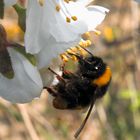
[117, 115]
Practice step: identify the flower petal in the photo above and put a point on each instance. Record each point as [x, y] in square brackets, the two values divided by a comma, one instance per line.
[23, 87]
[51, 50]
[95, 16]
[44, 21]
[33, 25]
[91, 15]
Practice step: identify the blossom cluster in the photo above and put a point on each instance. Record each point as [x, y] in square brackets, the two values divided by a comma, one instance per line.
[52, 27]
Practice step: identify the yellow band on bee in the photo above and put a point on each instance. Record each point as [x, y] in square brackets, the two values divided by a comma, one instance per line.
[104, 78]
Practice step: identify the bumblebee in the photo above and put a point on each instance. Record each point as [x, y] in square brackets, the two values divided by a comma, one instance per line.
[82, 88]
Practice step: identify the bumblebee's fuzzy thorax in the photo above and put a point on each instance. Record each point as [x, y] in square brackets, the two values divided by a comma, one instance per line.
[92, 67]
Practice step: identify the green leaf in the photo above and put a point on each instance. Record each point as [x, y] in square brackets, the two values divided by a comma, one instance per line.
[6, 65]
[21, 16]
[21, 49]
[1, 9]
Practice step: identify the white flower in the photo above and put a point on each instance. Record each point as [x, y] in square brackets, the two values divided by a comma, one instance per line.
[26, 84]
[51, 49]
[47, 32]
[9, 2]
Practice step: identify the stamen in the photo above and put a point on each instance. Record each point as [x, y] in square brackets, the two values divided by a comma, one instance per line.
[67, 1]
[41, 2]
[86, 36]
[74, 18]
[74, 58]
[88, 43]
[70, 51]
[58, 8]
[68, 19]
[64, 58]
[86, 50]
[97, 32]
[82, 51]
[85, 44]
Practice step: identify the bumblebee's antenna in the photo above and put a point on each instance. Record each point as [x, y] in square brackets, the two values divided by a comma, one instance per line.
[85, 120]
[75, 54]
[86, 50]
[80, 57]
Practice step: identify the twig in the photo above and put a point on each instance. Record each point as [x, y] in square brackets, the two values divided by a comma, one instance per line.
[28, 122]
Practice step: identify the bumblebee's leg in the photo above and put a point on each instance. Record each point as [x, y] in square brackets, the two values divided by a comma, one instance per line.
[60, 78]
[51, 91]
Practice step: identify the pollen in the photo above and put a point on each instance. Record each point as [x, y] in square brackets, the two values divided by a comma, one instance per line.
[88, 43]
[97, 32]
[103, 79]
[85, 44]
[57, 8]
[82, 52]
[74, 18]
[64, 58]
[67, 1]
[74, 49]
[68, 19]
[74, 58]
[69, 51]
[86, 36]
[41, 2]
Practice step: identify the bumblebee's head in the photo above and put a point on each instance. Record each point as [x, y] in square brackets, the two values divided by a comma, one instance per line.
[91, 66]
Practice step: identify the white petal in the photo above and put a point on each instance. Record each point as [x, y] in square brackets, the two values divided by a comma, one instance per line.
[92, 15]
[95, 16]
[85, 2]
[52, 50]
[9, 2]
[43, 22]
[66, 32]
[23, 87]
[33, 23]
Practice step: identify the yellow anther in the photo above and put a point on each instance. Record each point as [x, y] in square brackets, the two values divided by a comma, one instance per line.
[81, 51]
[82, 43]
[64, 58]
[97, 32]
[68, 19]
[41, 2]
[67, 1]
[74, 58]
[74, 49]
[57, 8]
[74, 18]
[70, 51]
[86, 36]
[88, 43]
